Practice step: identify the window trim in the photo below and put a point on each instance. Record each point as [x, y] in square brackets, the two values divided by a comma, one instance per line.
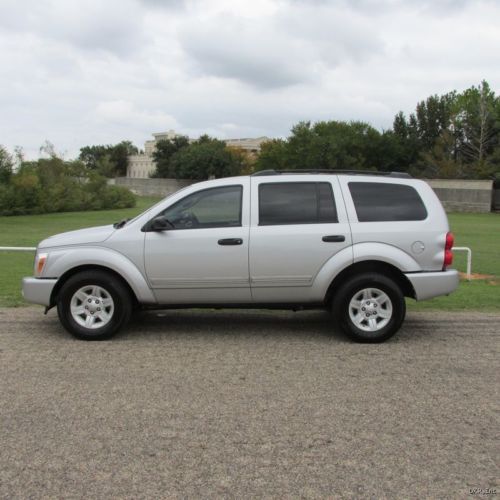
[316, 184]
[240, 215]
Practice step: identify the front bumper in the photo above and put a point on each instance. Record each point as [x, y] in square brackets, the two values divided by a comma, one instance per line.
[38, 290]
[433, 284]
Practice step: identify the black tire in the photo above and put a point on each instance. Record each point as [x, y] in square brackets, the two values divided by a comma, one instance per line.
[351, 290]
[115, 288]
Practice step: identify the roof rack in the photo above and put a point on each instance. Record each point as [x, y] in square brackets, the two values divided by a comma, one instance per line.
[332, 172]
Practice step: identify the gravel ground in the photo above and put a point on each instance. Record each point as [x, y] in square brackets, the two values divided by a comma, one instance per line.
[242, 404]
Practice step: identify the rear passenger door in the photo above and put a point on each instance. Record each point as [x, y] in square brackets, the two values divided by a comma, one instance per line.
[297, 225]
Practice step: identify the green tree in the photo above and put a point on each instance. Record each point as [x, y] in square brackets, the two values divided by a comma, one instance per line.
[452, 135]
[326, 145]
[405, 134]
[439, 162]
[432, 117]
[118, 157]
[54, 185]
[243, 161]
[92, 155]
[6, 166]
[106, 167]
[477, 116]
[48, 149]
[108, 160]
[203, 159]
[164, 151]
[272, 155]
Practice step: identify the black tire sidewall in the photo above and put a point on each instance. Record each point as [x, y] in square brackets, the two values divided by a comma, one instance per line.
[340, 307]
[119, 293]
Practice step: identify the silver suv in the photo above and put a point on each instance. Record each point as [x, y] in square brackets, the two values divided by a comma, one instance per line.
[354, 243]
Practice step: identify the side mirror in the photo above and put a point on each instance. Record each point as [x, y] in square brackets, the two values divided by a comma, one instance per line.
[161, 223]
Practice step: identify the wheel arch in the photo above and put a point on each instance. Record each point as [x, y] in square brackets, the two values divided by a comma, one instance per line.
[90, 267]
[367, 266]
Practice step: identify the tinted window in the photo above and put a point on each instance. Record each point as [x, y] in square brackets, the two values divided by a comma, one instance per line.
[296, 203]
[377, 201]
[216, 207]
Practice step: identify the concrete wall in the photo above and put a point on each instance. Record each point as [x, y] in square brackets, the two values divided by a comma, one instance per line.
[151, 187]
[458, 195]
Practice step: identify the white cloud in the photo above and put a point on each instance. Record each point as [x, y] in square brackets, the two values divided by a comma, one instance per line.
[114, 26]
[90, 72]
[122, 112]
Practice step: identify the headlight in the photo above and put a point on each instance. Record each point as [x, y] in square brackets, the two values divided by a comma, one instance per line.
[40, 260]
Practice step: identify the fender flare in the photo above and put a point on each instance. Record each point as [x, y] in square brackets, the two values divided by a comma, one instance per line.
[385, 253]
[61, 261]
[359, 252]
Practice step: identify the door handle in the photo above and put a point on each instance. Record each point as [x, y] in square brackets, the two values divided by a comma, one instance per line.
[230, 241]
[334, 238]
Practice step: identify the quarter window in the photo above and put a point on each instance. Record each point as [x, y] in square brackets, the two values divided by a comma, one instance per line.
[296, 203]
[380, 201]
[214, 207]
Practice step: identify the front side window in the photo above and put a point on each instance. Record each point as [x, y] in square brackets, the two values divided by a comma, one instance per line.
[296, 203]
[214, 207]
[380, 201]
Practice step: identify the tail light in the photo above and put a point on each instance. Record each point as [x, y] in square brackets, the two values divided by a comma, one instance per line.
[448, 253]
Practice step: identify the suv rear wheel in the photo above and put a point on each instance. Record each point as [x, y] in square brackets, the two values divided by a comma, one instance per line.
[369, 307]
[93, 305]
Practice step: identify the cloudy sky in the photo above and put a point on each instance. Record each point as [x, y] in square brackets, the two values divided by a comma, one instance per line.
[79, 72]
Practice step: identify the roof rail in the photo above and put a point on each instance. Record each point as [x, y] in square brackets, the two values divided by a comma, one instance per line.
[332, 172]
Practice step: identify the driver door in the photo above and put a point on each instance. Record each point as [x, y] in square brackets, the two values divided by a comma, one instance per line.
[203, 259]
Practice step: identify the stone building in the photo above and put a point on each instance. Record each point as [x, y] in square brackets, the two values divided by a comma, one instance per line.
[140, 166]
[248, 144]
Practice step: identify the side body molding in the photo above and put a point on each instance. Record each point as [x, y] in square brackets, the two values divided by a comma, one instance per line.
[61, 261]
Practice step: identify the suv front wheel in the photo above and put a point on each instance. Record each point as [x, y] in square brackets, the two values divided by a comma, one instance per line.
[369, 307]
[93, 305]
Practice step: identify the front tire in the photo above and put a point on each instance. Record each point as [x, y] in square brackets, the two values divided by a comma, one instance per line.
[369, 308]
[93, 305]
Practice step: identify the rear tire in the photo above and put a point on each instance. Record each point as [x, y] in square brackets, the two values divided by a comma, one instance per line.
[369, 308]
[94, 305]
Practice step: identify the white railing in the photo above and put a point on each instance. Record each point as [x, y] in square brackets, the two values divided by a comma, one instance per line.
[18, 249]
[455, 249]
[469, 259]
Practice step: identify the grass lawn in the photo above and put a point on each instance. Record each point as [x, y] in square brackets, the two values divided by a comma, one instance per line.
[481, 232]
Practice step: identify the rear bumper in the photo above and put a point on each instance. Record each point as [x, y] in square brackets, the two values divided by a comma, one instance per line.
[37, 290]
[433, 284]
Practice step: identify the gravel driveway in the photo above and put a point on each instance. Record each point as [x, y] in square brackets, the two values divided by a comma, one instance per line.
[248, 404]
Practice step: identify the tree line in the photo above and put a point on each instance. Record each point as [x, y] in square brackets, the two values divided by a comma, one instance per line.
[455, 135]
[203, 158]
[53, 184]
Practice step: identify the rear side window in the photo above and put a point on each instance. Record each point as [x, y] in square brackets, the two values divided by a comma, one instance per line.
[296, 203]
[377, 202]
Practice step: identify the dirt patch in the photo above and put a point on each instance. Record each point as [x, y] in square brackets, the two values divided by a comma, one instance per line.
[478, 276]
